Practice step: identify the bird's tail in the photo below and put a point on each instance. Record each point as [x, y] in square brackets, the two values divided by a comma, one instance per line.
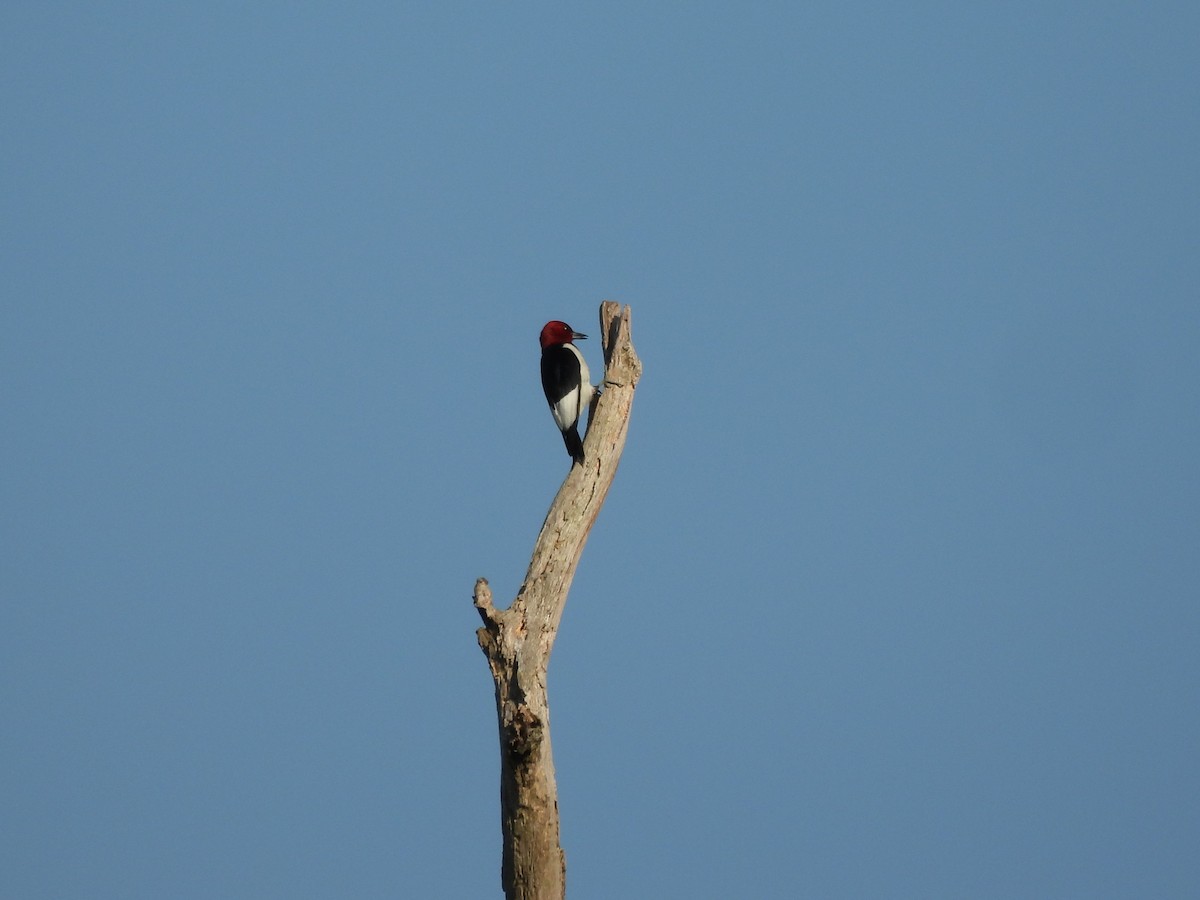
[574, 444]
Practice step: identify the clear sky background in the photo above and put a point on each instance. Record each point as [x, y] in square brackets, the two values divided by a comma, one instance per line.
[895, 594]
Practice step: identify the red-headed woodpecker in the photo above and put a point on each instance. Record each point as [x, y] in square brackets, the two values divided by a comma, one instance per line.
[566, 381]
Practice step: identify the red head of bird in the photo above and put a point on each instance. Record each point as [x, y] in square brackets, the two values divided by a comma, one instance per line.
[556, 332]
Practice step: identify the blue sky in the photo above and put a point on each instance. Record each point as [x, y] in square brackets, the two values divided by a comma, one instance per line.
[895, 592]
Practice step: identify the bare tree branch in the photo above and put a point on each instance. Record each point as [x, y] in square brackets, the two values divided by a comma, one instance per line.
[518, 641]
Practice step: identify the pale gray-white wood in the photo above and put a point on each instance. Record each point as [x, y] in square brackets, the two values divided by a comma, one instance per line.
[517, 641]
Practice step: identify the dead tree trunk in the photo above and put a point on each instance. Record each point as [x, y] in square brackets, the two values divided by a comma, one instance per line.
[517, 641]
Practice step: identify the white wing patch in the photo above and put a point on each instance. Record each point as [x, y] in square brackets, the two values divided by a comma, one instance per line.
[568, 410]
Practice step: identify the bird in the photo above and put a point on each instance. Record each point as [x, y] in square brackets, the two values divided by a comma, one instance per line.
[566, 382]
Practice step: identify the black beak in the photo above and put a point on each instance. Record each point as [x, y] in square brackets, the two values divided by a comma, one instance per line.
[578, 336]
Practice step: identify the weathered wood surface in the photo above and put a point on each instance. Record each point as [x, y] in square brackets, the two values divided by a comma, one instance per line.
[518, 641]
